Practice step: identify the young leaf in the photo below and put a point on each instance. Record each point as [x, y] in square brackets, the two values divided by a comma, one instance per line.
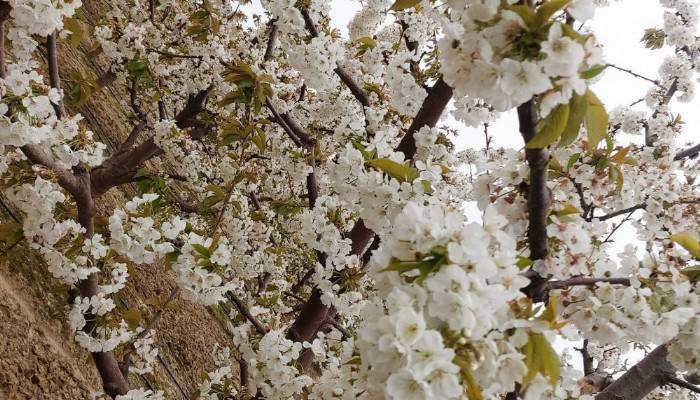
[400, 172]
[551, 128]
[548, 9]
[593, 71]
[75, 28]
[596, 120]
[527, 14]
[404, 4]
[540, 357]
[688, 242]
[577, 111]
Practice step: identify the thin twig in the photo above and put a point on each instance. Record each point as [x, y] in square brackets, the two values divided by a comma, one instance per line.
[636, 75]
[582, 281]
[246, 313]
[149, 326]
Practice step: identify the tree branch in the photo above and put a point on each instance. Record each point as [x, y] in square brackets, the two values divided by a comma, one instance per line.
[538, 199]
[121, 167]
[636, 75]
[690, 152]
[648, 374]
[671, 378]
[54, 76]
[246, 313]
[344, 76]
[584, 281]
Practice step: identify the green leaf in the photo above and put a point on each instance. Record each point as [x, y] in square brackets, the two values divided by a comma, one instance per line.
[367, 42]
[523, 262]
[287, 207]
[400, 172]
[201, 250]
[170, 259]
[427, 187]
[546, 10]
[260, 141]
[654, 38]
[138, 70]
[541, 358]
[596, 120]
[527, 14]
[367, 155]
[132, 317]
[688, 242]
[404, 4]
[593, 71]
[75, 28]
[577, 111]
[551, 128]
[617, 177]
[572, 160]
[550, 312]
[568, 209]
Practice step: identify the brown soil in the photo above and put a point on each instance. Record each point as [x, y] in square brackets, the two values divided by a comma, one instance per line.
[38, 358]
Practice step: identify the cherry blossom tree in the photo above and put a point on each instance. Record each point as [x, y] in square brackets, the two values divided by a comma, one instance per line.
[307, 179]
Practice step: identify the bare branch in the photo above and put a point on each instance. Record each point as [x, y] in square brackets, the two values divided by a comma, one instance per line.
[624, 211]
[246, 313]
[538, 199]
[583, 281]
[690, 152]
[636, 75]
[54, 76]
[648, 374]
[271, 41]
[671, 378]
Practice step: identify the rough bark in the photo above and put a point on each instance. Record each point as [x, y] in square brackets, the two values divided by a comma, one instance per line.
[538, 200]
[641, 379]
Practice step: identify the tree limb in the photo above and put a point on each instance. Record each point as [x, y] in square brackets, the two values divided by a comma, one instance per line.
[648, 374]
[690, 152]
[246, 313]
[538, 199]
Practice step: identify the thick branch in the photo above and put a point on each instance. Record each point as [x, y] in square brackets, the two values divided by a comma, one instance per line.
[671, 378]
[271, 41]
[538, 200]
[428, 115]
[121, 167]
[690, 152]
[648, 374]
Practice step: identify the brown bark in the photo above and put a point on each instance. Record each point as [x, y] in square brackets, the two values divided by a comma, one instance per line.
[641, 379]
[122, 166]
[538, 200]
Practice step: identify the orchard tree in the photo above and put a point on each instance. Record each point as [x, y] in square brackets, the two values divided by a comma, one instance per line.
[305, 178]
